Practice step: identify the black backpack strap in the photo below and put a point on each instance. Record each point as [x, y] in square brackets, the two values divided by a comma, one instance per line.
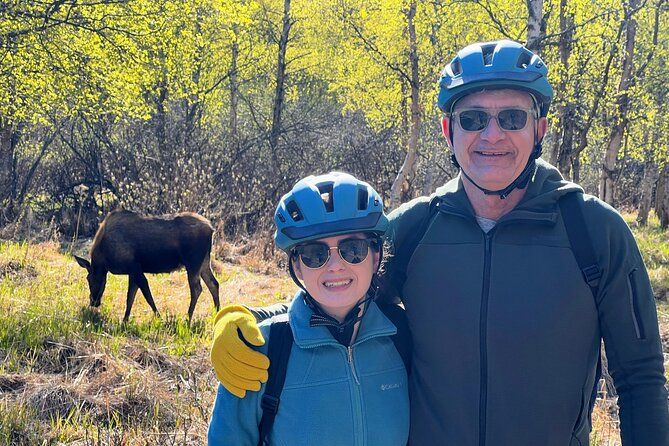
[405, 252]
[401, 339]
[280, 344]
[581, 245]
[579, 238]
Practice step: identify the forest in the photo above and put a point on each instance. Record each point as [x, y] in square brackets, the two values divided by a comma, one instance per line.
[219, 106]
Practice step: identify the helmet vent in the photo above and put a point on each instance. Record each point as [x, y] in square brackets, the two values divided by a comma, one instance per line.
[524, 59]
[363, 198]
[456, 67]
[294, 211]
[326, 194]
[487, 52]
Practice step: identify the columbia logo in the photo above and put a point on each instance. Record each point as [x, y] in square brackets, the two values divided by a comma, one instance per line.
[390, 386]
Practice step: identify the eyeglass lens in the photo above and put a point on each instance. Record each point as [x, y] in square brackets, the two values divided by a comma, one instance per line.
[315, 255]
[476, 120]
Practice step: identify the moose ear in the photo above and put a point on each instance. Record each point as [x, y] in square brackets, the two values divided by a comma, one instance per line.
[83, 262]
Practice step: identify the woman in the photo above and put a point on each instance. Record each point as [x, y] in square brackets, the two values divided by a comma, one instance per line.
[346, 383]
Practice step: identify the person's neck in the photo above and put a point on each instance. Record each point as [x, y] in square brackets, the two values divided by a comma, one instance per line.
[340, 315]
[491, 206]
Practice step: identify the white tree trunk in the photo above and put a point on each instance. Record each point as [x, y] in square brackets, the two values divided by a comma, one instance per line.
[662, 198]
[234, 87]
[279, 92]
[606, 182]
[536, 27]
[400, 187]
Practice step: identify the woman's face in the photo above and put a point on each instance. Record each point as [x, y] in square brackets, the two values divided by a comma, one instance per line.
[338, 285]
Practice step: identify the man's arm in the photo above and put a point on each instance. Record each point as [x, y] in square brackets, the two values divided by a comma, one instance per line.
[628, 321]
[264, 313]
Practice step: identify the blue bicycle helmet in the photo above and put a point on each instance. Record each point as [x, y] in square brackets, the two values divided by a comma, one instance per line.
[494, 65]
[326, 205]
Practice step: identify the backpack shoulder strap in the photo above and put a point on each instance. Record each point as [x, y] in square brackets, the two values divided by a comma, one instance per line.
[405, 252]
[401, 339]
[280, 344]
[571, 208]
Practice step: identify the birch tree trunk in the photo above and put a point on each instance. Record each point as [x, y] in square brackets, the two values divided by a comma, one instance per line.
[6, 162]
[430, 169]
[647, 182]
[234, 86]
[399, 191]
[536, 25]
[662, 198]
[606, 182]
[646, 202]
[279, 93]
[566, 108]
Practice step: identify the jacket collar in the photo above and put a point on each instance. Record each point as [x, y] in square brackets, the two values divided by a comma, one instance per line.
[373, 324]
[538, 204]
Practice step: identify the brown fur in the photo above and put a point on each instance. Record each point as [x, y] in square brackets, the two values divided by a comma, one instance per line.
[128, 243]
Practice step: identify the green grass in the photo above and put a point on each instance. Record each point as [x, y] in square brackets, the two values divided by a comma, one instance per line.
[70, 374]
[654, 246]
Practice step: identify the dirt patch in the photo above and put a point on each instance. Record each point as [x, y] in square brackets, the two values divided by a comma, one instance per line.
[17, 272]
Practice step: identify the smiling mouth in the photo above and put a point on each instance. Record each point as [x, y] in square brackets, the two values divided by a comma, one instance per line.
[338, 283]
[490, 153]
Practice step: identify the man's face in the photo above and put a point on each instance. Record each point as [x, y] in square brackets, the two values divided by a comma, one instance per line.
[493, 157]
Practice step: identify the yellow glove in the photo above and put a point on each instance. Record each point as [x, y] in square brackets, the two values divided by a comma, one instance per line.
[238, 367]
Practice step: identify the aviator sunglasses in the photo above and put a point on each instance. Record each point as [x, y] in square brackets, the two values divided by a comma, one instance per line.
[352, 250]
[508, 119]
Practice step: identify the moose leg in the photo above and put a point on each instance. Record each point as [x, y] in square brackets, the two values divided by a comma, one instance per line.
[132, 292]
[195, 291]
[208, 276]
[143, 284]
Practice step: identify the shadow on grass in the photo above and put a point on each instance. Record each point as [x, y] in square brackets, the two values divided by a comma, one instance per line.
[94, 318]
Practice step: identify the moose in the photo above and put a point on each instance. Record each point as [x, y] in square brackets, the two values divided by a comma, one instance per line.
[128, 243]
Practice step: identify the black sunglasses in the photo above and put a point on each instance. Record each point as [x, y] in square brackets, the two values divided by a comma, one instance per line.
[352, 250]
[509, 119]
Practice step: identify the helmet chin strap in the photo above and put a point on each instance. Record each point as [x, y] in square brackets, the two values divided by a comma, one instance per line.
[519, 183]
[341, 331]
[521, 180]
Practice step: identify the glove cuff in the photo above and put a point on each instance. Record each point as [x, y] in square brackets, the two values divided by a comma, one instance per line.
[235, 308]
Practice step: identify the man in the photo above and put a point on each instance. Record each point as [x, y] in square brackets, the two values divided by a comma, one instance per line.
[506, 331]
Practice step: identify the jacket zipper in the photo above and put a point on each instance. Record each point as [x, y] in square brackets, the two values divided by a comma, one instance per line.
[483, 322]
[360, 439]
[483, 326]
[352, 364]
[638, 326]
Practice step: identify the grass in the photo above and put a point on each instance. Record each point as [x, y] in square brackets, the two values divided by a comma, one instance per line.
[654, 246]
[72, 375]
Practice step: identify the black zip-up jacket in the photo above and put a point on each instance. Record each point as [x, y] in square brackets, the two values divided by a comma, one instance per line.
[506, 331]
